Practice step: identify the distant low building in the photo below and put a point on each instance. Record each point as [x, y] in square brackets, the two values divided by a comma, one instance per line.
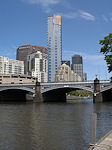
[37, 66]
[15, 79]
[65, 73]
[11, 66]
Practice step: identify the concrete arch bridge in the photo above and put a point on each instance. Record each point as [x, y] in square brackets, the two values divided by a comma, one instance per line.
[55, 91]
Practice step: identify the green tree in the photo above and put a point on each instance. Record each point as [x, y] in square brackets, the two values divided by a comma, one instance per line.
[107, 50]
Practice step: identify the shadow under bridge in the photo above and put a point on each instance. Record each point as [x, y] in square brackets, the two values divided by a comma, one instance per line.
[58, 94]
[107, 94]
[14, 94]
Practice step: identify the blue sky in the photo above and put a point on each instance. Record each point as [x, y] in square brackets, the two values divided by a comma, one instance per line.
[84, 23]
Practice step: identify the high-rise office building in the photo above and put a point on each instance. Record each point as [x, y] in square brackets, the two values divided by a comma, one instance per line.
[54, 45]
[25, 50]
[77, 65]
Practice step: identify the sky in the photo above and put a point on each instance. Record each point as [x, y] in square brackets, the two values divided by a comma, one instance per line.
[84, 23]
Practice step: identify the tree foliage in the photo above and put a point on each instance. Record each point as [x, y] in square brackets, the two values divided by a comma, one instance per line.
[81, 93]
[107, 50]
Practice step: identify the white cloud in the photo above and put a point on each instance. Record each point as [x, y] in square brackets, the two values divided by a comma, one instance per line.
[78, 14]
[105, 18]
[87, 16]
[110, 16]
[47, 7]
[45, 3]
[72, 15]
[94, 59]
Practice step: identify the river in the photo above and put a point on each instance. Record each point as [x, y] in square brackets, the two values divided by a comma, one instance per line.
[52, 126]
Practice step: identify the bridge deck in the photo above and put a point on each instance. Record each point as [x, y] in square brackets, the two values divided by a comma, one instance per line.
[104, 143]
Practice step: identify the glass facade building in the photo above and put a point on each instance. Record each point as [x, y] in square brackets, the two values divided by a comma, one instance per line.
[77, 65]
[54, 45]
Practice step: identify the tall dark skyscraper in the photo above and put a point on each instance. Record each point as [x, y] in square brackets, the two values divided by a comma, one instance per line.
[25, 50]
[77, 65]
[54, 45]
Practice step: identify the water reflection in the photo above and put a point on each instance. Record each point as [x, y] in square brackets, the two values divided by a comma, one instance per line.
[104, 118]
[51, 126]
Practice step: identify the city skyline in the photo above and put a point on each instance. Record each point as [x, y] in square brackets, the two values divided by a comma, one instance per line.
[84, 24]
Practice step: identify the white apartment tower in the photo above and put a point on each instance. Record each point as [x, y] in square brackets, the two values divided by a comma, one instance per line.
[38, 66]
[54, 45]
[10, 66]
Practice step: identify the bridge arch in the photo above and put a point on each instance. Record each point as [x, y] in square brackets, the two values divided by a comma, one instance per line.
[67, 87]
[106, 88]
[59, 93]
[107, 93]
[14, 93]
[18, 88]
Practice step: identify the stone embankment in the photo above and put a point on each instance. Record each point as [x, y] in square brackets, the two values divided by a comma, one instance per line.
[73, 97]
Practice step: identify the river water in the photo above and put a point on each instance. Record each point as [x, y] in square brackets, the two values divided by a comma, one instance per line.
[52, 126]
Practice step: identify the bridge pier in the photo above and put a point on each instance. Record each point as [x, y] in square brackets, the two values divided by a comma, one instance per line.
[38, 95]
[97, 95]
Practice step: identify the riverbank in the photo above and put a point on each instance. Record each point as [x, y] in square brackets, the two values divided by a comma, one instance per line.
[73, 97]
[68, 97]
